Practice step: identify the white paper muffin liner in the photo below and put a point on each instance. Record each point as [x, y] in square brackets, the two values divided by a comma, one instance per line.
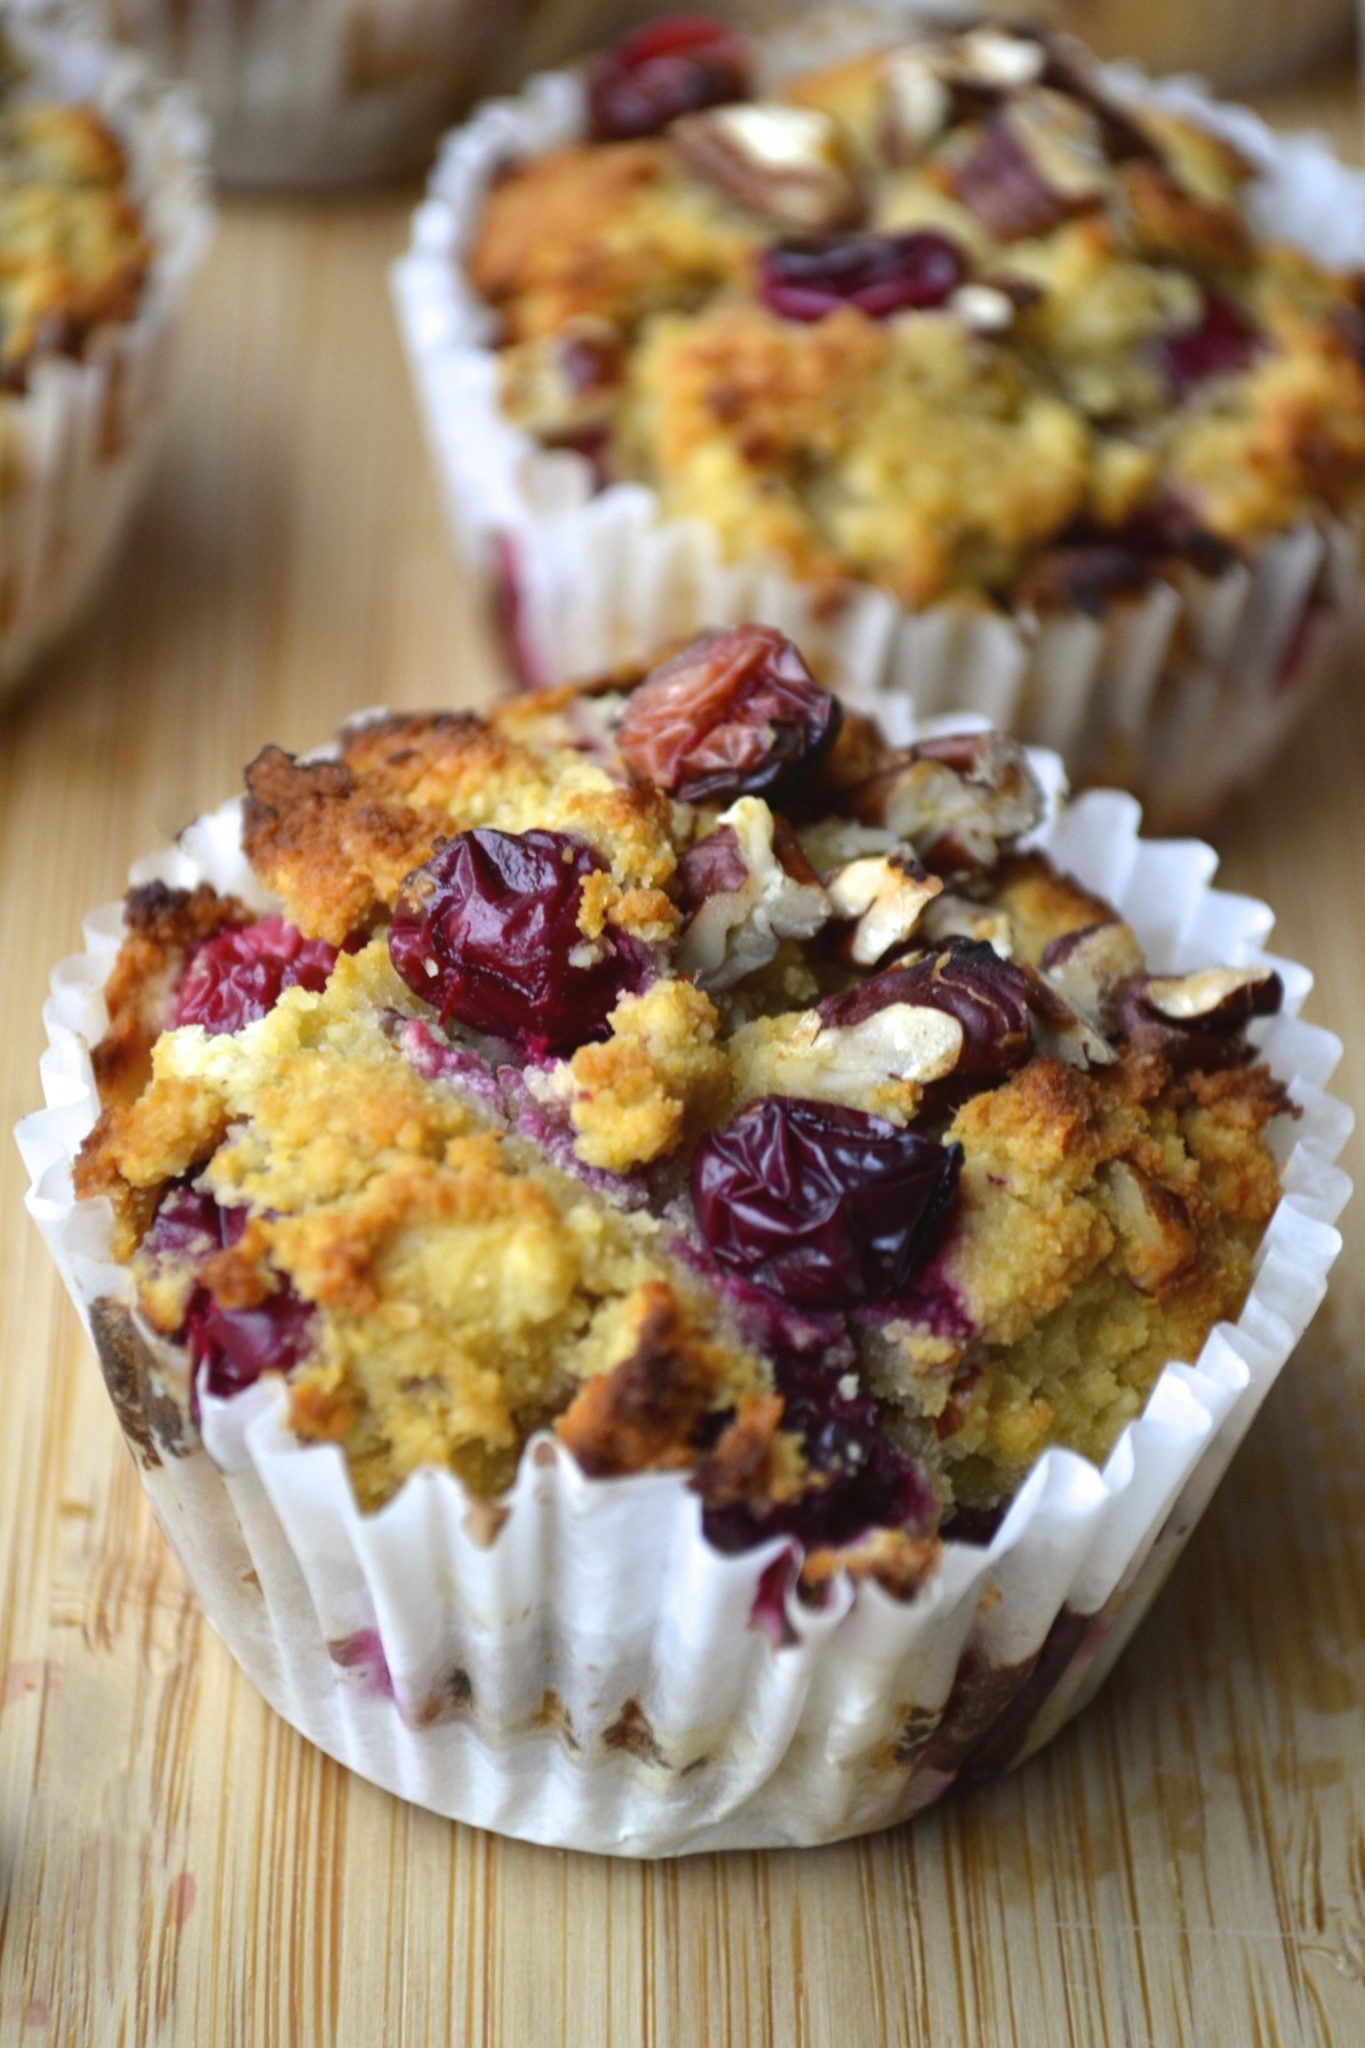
[1183, 694]
[578, 1666]
[320, 92]
[75, 446]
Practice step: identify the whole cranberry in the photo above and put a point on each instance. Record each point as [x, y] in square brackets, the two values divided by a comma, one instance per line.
[239, 975]
[233, 1345]
[487, 932]
[825, 1205]
[879, 274]
[737, 713]
[1221, 345]
[672, 67]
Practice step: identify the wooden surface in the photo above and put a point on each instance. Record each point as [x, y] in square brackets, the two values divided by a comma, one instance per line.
[1185, 1868]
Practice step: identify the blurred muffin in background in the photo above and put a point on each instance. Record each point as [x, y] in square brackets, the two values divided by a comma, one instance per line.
[321, 92]
[102, 217]
[1005, 379]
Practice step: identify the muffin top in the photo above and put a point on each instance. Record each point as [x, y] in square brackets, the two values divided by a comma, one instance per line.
[673, 1064]
[948, 317]
[74, 251]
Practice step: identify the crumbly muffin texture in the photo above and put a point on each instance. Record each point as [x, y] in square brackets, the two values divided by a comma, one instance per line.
[947, 318]
[74, 251]
[675, 1065]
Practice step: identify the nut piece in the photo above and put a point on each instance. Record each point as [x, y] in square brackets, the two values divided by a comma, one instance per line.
[960, 801]
[1061, 1032]
[753, 887]
[789, 164]
[1197, 1020]
[1157, 1241]
[883, 897]
[1216, 995]
[956, 917]
[985, 308]
[917, 105]
[1088, 967]
[994, 59]
[1036, 163]
[882, 1063]
[990, 998]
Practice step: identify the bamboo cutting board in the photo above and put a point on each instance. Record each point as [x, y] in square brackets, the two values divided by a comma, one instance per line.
[1184, 1868]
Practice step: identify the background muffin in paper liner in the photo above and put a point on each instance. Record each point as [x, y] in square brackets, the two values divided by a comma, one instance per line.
[321, 92]
[1183, 692]
[574, 1664]
[76, 442]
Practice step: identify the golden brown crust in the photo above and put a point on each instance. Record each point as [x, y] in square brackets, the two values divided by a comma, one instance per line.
[645, 1410]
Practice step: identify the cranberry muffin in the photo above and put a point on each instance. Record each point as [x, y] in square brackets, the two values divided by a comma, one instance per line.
[674, 1066]
[1049, 370]
[102, 217]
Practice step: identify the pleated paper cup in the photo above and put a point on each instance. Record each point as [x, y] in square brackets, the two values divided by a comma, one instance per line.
[575, 1664]
[76, 444]
[322, 92]
[1183, 694]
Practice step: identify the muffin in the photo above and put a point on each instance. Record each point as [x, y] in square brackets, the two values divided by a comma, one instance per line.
[320, 92]
[101, 221]
[639, 1241]
[997, 380]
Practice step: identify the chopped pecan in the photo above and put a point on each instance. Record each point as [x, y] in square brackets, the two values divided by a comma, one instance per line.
[1197, 1021]
[882, 896]
[789, 164]
[1036, 163]
[752, 887]
[960, 801]
[1089, 966]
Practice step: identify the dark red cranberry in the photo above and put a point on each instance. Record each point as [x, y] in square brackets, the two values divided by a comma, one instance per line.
[879, 274]
[672, 67]
[968, 980]
[487, 931]
[865, 1481]
[735, 714]
[234, 1346]
[1221, 345]
[824, 1205]
[239, 975]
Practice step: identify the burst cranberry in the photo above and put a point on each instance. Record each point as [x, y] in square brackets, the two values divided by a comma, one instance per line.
[825, 1205]
[672, 67]
[239, 975]
[488, 933]
[234, 1345]
[735, 714]
[1221, 345]
[879, 274]
[864, 1480]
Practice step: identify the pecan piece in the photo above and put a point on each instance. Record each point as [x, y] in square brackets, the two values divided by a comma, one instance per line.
[1197, 1021]
[752, 887]
[736, 713]
[961, 801]
[1088, 967]
[1035, 164]
[990, 998]
[882, 896]
[789, 164]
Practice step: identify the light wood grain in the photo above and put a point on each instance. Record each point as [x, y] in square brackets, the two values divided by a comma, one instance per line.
[1184, 1868]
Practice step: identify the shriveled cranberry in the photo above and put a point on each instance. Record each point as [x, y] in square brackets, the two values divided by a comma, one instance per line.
[966, 978]
[825, 1205]
[879, 274]
[735, 714]
[239, 975]
[487, 932]
[234, 1345]
[671, 67]
[865, 1481]
[1221, 345]
[714, 866]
